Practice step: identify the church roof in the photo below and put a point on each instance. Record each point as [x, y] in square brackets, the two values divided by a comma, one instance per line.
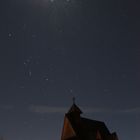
[89, 128]
[75, 109]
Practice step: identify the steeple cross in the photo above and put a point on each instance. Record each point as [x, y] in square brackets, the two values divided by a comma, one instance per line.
[73, 99]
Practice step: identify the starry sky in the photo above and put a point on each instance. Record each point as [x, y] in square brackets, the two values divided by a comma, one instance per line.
[52, 50]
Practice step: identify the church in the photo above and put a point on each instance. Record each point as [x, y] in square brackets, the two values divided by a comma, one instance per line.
[76, 127]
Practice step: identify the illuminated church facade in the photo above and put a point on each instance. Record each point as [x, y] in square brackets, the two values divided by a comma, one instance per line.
[76, 127]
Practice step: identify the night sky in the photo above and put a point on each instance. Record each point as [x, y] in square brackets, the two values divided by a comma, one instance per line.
[52, 50]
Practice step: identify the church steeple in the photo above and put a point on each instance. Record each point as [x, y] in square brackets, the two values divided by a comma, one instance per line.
[74, 108]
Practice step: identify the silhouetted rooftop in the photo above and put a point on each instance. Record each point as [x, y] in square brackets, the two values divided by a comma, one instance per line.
[75, 108]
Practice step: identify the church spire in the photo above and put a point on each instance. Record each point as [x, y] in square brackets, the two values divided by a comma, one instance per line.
[74, 108]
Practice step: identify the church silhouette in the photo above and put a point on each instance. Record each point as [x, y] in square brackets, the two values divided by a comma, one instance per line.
[76, 127]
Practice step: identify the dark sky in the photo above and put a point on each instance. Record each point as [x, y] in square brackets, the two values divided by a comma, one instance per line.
[52, 50]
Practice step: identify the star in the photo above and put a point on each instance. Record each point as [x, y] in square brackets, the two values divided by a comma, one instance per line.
[51, 0]
[46, 79]
[30, 73]
[71, 90]
[24, 26]
[10, 35]
[28, 60]
[25, 63]
[34, 36]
